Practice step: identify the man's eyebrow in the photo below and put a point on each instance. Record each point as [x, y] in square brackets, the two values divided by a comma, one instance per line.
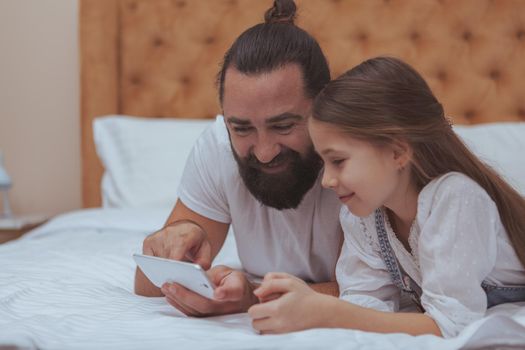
[235, 120]
[284, 117]
[277, 119]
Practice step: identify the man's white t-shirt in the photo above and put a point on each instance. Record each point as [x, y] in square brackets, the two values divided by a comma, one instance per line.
[304, 241]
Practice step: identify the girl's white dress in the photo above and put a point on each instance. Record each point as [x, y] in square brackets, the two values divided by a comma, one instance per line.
[457, 241]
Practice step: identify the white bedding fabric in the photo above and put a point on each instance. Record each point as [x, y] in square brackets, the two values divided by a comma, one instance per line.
[143, 158]
[69, 285]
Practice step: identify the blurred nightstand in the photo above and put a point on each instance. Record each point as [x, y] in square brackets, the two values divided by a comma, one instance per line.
[16, 226]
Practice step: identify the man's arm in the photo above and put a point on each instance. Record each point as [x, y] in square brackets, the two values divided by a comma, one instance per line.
[329, 288]
[213, 231]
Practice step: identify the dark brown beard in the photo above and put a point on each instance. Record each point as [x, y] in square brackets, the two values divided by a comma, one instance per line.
[284, 190]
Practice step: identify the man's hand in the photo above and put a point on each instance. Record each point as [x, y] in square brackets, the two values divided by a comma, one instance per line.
[298, 307]
[233, 294]
[186, 236]
[181, 240]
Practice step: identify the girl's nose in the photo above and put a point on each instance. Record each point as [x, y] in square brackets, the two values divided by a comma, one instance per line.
[328, 181]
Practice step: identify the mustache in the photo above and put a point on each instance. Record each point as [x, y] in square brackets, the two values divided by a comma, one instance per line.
[285, 154]
[284, 190]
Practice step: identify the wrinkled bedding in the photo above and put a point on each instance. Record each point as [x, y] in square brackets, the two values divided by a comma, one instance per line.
[69, 285]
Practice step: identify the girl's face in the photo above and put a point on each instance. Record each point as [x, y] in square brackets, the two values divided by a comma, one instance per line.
[364, 176]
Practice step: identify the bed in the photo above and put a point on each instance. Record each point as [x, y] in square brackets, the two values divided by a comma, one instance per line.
[148, 70]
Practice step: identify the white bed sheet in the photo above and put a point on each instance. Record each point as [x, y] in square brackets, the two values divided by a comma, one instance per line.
[69, 285]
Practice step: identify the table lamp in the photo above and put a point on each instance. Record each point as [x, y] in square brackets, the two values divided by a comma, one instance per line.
[5, 184]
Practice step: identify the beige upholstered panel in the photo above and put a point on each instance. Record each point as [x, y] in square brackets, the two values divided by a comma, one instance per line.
[171, 51]
[166, 53]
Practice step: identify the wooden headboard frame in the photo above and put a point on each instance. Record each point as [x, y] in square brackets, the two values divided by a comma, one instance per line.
[159, 58]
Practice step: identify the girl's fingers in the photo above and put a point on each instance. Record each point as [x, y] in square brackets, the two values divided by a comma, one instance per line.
[276, 275]
[269, 325]
[270, 297]
[262, 311]
[263, 325]
[274, 286]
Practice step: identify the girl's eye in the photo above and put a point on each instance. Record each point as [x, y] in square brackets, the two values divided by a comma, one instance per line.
[337, 161]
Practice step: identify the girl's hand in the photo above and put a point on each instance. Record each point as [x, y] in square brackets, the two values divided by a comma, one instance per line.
[287, 304]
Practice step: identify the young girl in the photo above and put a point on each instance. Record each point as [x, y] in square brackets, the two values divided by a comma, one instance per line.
[422, 215]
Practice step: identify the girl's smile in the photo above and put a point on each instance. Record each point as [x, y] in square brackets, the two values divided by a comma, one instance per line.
[347, 197]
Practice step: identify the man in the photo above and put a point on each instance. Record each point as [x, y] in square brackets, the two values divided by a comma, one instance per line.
[255, 169]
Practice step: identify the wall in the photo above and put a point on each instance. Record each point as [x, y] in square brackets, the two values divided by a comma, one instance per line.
[39, 104]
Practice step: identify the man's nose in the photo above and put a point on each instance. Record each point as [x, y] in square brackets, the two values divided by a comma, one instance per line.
[266, 149]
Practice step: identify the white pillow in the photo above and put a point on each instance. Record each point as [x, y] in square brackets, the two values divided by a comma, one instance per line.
[502, 146]
[143, 158]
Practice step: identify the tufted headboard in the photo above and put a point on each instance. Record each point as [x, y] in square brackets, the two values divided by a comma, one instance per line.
[159, 58]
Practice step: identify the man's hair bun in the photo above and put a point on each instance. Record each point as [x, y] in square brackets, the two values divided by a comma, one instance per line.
[282, 11]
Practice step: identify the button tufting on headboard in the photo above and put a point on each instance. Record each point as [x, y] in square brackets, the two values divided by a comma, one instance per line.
[135, 79]
[209, 40]
[415, 36]
[158, 41]
[495, 74]
[469, 114]
[467, 35]
[132, 6]
[185, 80]
[442, 75]
[462, 47]
[521, 112]
[361, 36]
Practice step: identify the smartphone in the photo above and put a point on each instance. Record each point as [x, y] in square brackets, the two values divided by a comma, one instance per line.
[160, 270]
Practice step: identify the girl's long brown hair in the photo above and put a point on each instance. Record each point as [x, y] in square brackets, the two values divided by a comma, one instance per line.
[384, 100]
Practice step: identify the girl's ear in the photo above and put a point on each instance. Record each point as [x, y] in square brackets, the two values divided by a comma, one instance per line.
[402, 153]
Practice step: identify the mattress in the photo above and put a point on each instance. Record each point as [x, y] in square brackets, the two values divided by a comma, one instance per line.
[69, 285]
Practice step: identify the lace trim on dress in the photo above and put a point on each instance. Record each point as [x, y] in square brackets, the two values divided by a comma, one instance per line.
[413, 241]
[368, 235]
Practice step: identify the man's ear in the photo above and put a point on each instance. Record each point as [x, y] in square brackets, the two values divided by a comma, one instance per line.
[402, 153]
